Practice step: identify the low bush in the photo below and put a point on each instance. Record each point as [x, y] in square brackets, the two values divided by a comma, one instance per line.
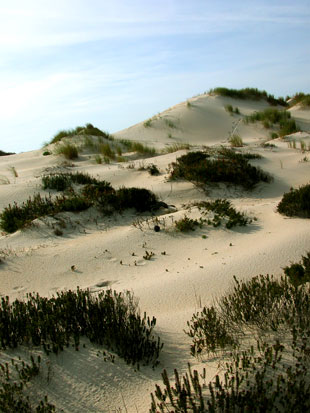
[187, 224]
[300, 98]
[296, 203]
[152, 169]
[271, 117]
[223, 211]
[225, 166]
[68, 150]
[14, 217]
[88, 129]
[46, 153]
[248, 93]
[299, 273]
[138, 147]
[111, 319]
[2, 153]
[62, 181]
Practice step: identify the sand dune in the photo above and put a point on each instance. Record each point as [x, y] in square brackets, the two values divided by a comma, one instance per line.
[186, 269]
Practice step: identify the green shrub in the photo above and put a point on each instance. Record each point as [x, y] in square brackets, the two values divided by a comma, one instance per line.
[248, 93]
[169, 123]
[299, 273]
[225, 166]
[147, 123]
[296, 202]
[223, 210]
[68, 150]
[152, 169]
[111, 319]
[186, 224]
[46, 153]
[107, 151]
[88, 129]
[63, 181]
[300, 98]
[229, 109]
[139, 198]
[14, 217]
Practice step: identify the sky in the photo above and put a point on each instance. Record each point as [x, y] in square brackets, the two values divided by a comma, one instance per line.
[65, 63]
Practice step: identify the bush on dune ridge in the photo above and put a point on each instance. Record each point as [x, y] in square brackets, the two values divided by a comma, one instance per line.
[248, 93]
[88, 129]
[296, 203]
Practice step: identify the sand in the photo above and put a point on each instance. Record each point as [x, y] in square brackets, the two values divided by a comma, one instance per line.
[186, 272]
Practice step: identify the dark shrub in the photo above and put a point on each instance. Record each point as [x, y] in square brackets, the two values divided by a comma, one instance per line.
[296, 202]
[299, 273]
[226, 166]
[111, 319]
[139, 198]
[248, 93]
[62, 181]
[186, 224]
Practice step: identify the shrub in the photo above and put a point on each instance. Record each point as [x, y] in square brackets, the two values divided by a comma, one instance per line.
[88, 129]
[107, 151]
[139, 198]
[299, 273]
[169, 123]
[147, 123]
[62, 181]
[300, 98]
[248, 93]
[186, 224]
[68, 150]
[225, 166]
[15, 217]
[46, 153]
[223, 210]
[296, 202]
[2, 153]
[111, 319]
[229, 109]
[138, 147]
[152, 169]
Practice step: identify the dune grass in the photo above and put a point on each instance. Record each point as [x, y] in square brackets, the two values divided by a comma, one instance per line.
[88, 129]
[302, 99]
[68, 150]
[248, 93]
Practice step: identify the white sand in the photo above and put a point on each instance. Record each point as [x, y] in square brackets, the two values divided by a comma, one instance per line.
[171, 286]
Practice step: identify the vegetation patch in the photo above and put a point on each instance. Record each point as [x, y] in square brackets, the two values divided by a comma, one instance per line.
[88, 129]
[248, 93]
[299, 273]
[110, 319]
[223, 166]
[2, 153]
[223, 211]
[68, 150]
[273, 117]
[264, 376]
[187, 224]
[302, 99]
[14, 381]
[235, 141]
[296, 203]
[63, 181]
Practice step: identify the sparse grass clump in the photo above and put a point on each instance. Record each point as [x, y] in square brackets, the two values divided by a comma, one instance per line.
[248, 93]
[224, 166]
[170, 123]
[111, 319]
[138, 147]
[88, 129]
[236, 141]
[147, 123]
[296, 203]
[302, 99]
[68, 150]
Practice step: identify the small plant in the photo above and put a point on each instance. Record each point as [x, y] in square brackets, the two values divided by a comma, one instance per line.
[296, 202]
[187, 224]
[153, 169]
[229, 109]
[235, 141]
[274, 135]
[107, 151]
[188, 104]
[169, 123]
[303, 146]
[147, 123]
[148, 255]
[46, 153]
[68, 150]
[248, 93]
[98, 159]
[13, 171]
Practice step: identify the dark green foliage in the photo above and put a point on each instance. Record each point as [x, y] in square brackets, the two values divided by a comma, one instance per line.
[46, 153]
[152, 169]
[248, 93]
[88, 129]
[139, 198]
[62, 181]
[225, 166]
[223, 210]
[187, 224]
[300, 98]
[138, 147]
[296, 203]
[111, 319]
[271, 117]
[2, 153]
[299, 273]
[13, 386]
[15, 217]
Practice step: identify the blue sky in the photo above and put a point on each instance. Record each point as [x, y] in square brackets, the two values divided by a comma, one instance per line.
[65, 63]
